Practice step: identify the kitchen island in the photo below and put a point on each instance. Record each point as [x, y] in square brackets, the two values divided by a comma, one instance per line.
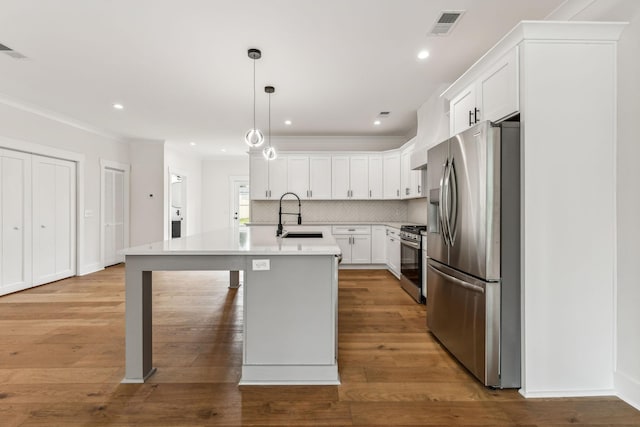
[289, 300]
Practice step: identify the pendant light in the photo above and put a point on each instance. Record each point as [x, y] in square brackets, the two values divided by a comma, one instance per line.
[254, 137]
[269, 152]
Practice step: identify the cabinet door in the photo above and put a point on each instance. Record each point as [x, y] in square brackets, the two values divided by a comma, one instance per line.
[360, 249]
[375, 177]
[462, 110]
[498, 89]
[320, 177]
[391, 169]
[54, 207]
[340, 186]
[344, 242]
[405, 174]
[277, 177]
[378, 244]
[394, 255]
[258, 177]
[15, 220]
[298, 175]
[359, 177]
[417, 183]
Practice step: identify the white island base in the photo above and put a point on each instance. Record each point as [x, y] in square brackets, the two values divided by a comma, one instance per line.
[290, 310]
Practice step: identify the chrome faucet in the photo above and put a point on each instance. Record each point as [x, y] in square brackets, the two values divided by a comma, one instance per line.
[280, 213]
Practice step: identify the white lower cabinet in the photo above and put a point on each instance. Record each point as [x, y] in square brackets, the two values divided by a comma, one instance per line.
[393, 251]
[378, 244]
[354, 242]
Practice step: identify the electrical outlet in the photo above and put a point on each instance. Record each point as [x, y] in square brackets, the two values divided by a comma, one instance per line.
[260, 264]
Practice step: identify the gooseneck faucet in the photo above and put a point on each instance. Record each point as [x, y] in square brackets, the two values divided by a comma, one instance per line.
[280, 213]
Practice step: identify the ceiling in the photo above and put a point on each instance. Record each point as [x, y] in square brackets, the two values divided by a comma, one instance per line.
[181, 70]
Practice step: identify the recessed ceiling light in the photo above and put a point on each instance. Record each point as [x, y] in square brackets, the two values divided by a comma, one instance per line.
[377, 122]
[423, 54]
[287, 122]
[118, 106]
[192, 144]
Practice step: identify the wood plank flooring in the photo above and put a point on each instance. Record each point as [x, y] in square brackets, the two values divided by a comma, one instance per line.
[62, 359]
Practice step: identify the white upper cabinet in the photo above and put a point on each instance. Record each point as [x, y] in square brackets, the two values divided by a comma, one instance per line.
[268, 179]
[375, 176]
[359, 176]
[340, 185]
[298, 175]
[350, 177]
[493, 96]
[411, 181]
[391, 182]
[319, 177]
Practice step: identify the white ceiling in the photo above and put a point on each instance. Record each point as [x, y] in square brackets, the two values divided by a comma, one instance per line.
[182, 72]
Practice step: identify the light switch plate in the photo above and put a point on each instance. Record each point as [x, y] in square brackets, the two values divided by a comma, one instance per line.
[260, 264]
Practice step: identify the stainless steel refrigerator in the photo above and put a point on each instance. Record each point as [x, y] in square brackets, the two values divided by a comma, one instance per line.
[473, 245]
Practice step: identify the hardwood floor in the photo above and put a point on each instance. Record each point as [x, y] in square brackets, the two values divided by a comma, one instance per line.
[62, 359]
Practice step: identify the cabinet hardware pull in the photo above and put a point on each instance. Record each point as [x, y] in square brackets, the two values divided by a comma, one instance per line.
[369, 193]
[398, 193]
[475, 114]
[16, 228]
[470, 117]
[419, 189]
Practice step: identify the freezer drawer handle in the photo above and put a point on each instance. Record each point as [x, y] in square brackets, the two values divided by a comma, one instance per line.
[462, 283]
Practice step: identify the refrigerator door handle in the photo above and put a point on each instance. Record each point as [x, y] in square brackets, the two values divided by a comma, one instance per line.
[462, 283]
[452, 192]
[443, 198]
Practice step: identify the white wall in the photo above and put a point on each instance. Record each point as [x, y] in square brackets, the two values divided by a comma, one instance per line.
[216, 210]
[627, 376]
[189, 165]
[148, 187]
[26, 126]
[627, 280]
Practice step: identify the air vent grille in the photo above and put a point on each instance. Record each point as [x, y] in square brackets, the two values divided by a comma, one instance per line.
[384, 114]
[445, 22]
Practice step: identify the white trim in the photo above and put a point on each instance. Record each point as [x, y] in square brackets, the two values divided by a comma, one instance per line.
[627, 388]
[90, 268]
[566, 393]
[57, 117]
[56, 153]
[126, 170]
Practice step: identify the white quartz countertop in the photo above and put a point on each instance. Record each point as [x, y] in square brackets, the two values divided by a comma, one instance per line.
[325, 223]
[244, 241]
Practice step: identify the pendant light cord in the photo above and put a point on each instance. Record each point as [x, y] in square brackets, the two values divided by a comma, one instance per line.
[254, 93]
[269, 119]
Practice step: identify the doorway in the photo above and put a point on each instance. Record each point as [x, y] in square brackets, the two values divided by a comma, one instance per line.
[177, 205]
[239, 204]
[114, 216]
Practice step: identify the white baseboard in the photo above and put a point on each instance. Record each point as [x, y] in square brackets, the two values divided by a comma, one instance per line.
[363, 267]
[627, 388]
[90, 268]
[567, 393]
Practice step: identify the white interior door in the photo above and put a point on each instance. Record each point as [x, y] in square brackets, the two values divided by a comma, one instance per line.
[114, 216]
[15, 220]
[54, 219]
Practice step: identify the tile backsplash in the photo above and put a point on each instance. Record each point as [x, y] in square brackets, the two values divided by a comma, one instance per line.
[332, 211]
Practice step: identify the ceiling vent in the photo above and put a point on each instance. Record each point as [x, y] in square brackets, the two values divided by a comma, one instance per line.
[445, 22]
[384, 114]
[10, 52]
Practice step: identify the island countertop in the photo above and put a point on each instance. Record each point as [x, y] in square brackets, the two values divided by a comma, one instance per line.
[243, 241]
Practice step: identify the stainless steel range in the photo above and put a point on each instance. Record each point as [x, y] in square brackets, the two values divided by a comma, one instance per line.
[411, 264]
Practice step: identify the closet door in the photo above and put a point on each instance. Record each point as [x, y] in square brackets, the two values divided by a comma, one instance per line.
[114, 216]
[15, 221]
[54, 219]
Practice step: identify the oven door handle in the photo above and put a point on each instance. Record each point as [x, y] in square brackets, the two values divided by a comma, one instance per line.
[410, 244]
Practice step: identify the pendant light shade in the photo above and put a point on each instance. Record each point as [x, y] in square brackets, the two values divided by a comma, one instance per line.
[254, 137]
[269, 152]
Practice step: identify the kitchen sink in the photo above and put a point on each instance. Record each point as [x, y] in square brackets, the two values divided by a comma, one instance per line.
[303, 234]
